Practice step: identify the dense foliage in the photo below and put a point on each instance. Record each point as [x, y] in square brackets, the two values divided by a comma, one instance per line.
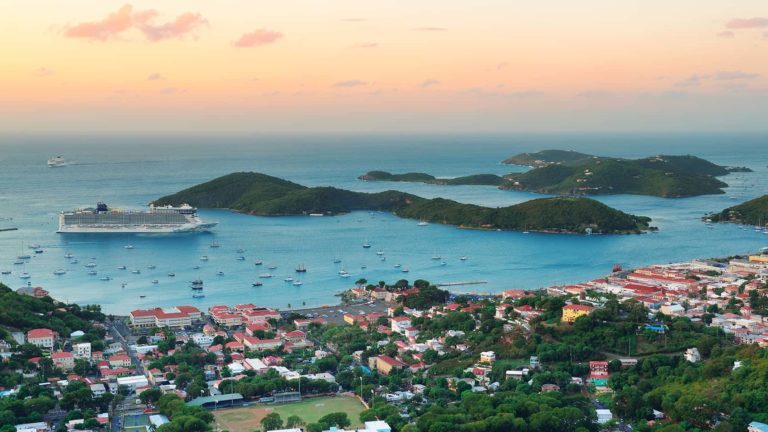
[546, 157]
[752, 212]
[664, 176]
[263, 195]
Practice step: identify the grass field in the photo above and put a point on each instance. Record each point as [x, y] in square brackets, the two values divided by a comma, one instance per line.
[248, 419]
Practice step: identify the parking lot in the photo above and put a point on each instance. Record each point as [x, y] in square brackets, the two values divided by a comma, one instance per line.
[335, 314]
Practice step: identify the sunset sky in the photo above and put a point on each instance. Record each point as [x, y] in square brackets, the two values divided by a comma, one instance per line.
[394, 65]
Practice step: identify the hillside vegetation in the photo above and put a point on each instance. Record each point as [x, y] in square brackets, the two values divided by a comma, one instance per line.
[752, 212]
[474, 180]
[572, 173]
[261, 194]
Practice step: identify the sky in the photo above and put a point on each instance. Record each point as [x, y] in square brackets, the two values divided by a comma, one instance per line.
[383, 66]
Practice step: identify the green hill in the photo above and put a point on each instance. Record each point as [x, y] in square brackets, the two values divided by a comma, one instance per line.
[752, 212]
[546, 157]
[260, 194]
[664, 176]
[474, 180]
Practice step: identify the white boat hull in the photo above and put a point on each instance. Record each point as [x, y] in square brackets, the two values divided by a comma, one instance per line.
[136, 229]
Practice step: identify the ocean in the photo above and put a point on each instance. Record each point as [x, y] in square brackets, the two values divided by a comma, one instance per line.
[128, 171]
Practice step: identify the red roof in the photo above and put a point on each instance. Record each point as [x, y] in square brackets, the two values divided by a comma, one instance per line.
[390, 361]
[39, 333]
[295, 333]
[61, 355]
[119, 357]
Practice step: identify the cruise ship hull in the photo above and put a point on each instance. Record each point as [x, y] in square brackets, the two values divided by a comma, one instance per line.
[186, 228]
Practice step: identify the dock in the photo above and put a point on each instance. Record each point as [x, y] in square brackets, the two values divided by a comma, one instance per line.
[8, 229]
[449, 284]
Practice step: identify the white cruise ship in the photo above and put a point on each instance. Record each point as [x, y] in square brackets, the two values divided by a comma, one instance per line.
[102, 219]
[56, 161]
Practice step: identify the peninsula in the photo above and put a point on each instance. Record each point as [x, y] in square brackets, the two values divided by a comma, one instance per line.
[574, 173]
[474, 180]
[260, 194]
[753, 212]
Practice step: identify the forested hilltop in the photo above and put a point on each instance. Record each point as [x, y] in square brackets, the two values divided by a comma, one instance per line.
[753, 212]
[260, 194]
[574, 173]
[474, 180]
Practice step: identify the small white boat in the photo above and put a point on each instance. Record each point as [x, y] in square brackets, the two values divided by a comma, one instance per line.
[68, 255]
[272, 267]
[296, 283]
[25, 275]
[443, 263]
[137, 271]
[105, 278]
[366, 245]
[91, 264]
[241, 258]
[196, 267]
[345, 275]
[380, 252]
[336, 260]
[422, 223]
[220, 273]
[257, 284]
[198, 295]
[204, 258]
[343, 271]
[214, 244]
[34, 246]
[122, 267]
[464, 258]
[171, 274]
[258, 262]
[155, 281]
[265, 276]
[288, 279]
[92, 272]
[74, 261]
[59, 272]
[397, 266]
[129, 246]
[151, 267]
[405, 270]
[56, 161]
[240, 251]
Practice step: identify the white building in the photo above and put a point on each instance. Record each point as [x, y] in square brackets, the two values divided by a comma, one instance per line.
[400, 324]
[133, 382]
[487, 357]
[98, 389]
[692, 355]
[202, 340]
[82, 350]
[604, 416]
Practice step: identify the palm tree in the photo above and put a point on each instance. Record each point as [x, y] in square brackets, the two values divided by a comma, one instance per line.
[289, 305]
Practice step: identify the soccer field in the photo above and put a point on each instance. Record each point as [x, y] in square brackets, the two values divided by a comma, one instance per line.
[248, 419]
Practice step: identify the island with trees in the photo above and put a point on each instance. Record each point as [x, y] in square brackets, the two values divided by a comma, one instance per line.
[753, 212]
[264, 195]
[573, 173]
[416, 177]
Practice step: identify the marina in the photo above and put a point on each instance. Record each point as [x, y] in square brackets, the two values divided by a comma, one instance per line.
[274, 247]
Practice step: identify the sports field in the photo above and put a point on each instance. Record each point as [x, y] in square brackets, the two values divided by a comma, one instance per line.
[248, 419]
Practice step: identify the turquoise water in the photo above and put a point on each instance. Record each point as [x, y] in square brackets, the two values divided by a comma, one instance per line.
[131, 171]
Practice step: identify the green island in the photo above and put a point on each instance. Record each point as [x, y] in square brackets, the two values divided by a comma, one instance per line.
[472, 180]
[753, 212]
[573, 173]
[260, 194]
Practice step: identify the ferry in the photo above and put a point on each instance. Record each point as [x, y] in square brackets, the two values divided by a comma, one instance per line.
[102, 219]
[57, 161]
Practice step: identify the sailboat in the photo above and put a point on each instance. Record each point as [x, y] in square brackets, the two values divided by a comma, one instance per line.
[301, 269]
[422, 223]
[366, 245]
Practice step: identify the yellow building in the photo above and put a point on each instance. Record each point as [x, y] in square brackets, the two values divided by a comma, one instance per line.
[759, 258]
[571, 312]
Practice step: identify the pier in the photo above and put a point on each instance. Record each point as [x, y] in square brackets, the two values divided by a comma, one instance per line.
[449, 284]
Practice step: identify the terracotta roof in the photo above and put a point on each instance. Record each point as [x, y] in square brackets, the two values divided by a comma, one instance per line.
[578, 307]
[39, 333]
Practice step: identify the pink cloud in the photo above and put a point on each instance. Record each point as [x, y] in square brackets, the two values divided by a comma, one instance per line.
[126, 18]
[257, 38]
[746, 23]
[183, 24]
[351, 83]
[726, 34]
